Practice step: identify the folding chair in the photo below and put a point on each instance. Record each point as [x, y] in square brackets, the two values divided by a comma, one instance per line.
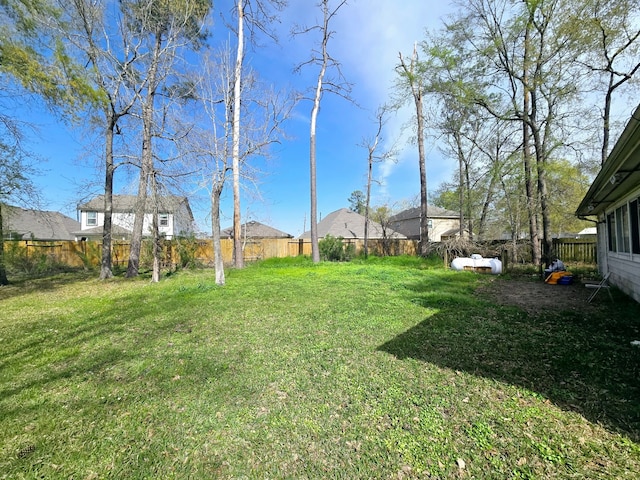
[604, 283]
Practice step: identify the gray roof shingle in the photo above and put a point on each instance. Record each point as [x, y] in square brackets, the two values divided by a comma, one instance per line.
[432, 212]
[127, 203]
[38, 224]
[255, 229]
[347, 224]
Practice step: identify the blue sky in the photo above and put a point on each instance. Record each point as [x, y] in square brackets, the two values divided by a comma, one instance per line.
[369, 34]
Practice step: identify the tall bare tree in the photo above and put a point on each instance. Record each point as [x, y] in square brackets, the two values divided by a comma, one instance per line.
[168, 28]
[238, 255]
[211, 140]
[375, 155]
[256, 15]
[412, 78]
[321, 58]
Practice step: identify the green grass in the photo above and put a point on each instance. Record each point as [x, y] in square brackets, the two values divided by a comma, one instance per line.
[389, 368]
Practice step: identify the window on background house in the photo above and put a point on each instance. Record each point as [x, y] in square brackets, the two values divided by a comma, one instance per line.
[92, 218]
[163, 219]
[634, 217]
[429, 223]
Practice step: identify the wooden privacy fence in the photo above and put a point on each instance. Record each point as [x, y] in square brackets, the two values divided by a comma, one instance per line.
[180, 252]
[575, 250]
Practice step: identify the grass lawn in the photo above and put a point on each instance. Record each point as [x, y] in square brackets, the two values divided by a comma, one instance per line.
[391, 368]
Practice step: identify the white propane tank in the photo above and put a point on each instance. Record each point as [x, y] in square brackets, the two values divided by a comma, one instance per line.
[477, 264]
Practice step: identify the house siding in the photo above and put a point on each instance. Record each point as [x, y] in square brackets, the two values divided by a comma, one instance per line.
[442, 225]
[410, 227]
[179, 222]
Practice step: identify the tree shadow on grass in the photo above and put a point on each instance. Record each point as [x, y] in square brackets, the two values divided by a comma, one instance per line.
[581, 361]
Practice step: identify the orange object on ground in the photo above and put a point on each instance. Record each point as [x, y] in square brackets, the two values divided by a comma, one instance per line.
[553, 278]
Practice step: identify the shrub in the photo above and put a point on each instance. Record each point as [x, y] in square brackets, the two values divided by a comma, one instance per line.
[334, 250]
[186, 248]
[33, 262]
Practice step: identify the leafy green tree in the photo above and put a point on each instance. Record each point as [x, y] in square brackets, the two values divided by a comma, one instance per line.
[35, 55]
[608, 47]
[357, 202]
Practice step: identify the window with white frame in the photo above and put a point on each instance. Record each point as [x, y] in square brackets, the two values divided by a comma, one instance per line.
[623, 228]
[92, 219]
[163, 219]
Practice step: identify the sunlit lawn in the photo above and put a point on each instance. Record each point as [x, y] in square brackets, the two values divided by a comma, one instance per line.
[385, 369]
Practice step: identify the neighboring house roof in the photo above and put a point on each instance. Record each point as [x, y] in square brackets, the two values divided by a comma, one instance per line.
[619, 175]
[255, 229]
[432, 212]
[588, 231]
[38, 224]
[347, 224]
[127, 203]
[454, 232]
[116, 230]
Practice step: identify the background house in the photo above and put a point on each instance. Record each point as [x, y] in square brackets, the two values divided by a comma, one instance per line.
[613, 202]
[441, 223]
[348, 224]
[175, 217]
[23, 224]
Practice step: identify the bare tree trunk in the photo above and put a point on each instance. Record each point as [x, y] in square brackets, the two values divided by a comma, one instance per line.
[424, 208]
[367, 206]
[218, 261]
[238, 255]
[462, 179]
[147, 160]
[315, 251]
[541, 164]
[105, 267]
[156, 250]
[3, 269]
[416, 91]
[526, 151]
[133, 265]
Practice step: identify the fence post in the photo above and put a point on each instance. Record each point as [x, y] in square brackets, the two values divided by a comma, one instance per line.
[300, 247]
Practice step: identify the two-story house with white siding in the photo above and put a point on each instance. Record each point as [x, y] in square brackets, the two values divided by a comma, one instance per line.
[174, 217]
[613, 204]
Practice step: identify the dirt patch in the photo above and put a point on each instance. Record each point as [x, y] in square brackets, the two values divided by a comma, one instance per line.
[536, 297]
